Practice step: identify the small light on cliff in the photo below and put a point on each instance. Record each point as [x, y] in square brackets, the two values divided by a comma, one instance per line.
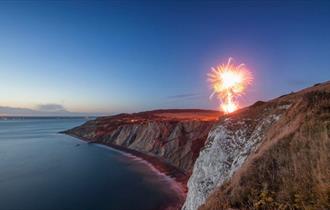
[228, 83]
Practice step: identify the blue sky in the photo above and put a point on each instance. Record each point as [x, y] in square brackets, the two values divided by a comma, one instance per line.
[126, 56]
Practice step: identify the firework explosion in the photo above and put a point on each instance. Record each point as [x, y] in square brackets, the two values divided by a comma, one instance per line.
[229, 82]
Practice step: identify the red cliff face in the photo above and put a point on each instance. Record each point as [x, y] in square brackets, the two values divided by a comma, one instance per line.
[175, 136]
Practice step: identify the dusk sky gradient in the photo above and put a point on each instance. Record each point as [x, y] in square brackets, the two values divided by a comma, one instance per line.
[126, 56]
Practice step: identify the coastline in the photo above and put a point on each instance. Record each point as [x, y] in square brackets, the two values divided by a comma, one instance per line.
[175, 176]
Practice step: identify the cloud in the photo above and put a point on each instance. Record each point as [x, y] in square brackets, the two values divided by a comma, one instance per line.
[185, 96]
[51, 108]
[298, 82]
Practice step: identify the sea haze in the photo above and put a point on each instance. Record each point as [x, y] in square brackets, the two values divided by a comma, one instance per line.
[44, 170]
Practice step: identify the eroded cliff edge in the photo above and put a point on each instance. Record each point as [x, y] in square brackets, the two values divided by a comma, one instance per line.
[272, 155]
[173, 136]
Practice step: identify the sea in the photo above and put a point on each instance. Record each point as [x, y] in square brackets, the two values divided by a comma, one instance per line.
[42, 169]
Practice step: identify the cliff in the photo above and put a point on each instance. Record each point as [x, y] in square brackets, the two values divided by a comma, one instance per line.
[271, 155]
[173, 136]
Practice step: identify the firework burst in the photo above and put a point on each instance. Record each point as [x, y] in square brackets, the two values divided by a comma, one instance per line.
[228, 82]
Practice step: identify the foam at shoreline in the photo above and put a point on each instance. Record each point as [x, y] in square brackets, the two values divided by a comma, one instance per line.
[175, 185]
[176, 179]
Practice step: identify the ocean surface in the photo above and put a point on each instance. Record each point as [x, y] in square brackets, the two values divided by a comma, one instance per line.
[41, 169]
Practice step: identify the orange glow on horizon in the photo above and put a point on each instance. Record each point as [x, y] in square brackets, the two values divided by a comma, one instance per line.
[229, 82]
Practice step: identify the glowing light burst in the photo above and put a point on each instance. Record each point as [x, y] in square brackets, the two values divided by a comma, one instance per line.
[228, 83]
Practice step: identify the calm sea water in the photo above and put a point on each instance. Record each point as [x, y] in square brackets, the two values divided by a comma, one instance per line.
[41, 169]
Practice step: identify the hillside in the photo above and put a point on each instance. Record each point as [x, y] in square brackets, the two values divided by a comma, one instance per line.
[174, 136]
[271, 155]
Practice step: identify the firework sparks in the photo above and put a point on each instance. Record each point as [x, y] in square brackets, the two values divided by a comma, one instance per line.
[229, 82]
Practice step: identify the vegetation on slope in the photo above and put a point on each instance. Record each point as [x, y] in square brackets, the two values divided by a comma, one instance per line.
[291, 169]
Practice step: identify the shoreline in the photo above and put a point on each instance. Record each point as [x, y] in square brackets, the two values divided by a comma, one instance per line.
[174, 175]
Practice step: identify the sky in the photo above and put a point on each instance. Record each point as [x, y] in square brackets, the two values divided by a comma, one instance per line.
[128, 56]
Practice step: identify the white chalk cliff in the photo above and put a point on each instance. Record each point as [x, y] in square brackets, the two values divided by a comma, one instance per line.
[227, 146]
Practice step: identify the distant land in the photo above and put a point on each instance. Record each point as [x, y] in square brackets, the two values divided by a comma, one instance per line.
[45, 117]
[48, 110]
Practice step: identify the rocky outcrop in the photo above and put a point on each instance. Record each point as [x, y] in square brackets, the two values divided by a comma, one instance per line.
[174, 136]
[272, 155]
